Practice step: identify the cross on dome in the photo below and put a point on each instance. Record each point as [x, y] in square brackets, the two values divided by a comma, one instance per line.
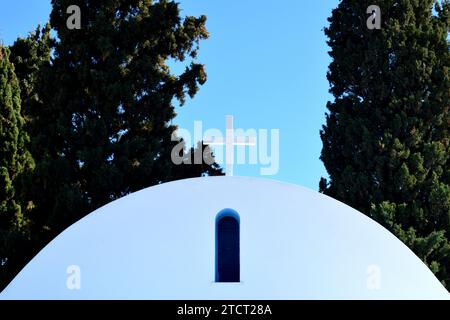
[230, 141]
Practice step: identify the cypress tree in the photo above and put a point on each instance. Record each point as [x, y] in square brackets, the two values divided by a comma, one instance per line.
[386, 140]
[30, 56]
[105, 126]
[14, 161]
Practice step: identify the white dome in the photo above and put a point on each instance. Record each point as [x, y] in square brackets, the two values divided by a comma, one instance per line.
[159, 243]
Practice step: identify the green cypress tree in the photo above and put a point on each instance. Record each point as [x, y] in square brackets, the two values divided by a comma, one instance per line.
[30, 56]
[106, 125]
[14, 161]
[386, 140]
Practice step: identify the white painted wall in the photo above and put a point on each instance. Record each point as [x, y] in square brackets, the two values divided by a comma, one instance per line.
[159, 244]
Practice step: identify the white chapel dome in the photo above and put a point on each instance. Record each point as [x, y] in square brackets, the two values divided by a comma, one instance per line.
[160, 243]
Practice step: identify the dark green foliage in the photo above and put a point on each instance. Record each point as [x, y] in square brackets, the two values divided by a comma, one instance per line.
[29, 56]
[15, 160]
[99, 107]
[386, 142]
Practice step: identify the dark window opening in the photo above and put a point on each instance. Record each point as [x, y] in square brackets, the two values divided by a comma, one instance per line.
[227, 249]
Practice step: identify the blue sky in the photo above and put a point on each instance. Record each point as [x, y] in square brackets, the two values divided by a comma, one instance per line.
[266, 63]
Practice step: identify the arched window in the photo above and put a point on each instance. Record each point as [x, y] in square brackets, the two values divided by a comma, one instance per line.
[227, 246]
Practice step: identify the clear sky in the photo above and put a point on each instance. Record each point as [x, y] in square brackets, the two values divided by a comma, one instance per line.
[266, 63]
